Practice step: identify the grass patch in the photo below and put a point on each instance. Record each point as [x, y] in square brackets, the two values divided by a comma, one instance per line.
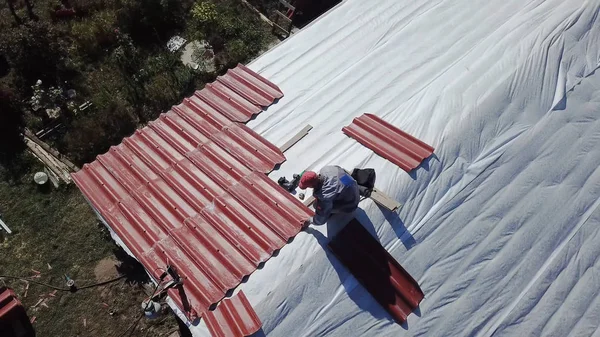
[58, 228]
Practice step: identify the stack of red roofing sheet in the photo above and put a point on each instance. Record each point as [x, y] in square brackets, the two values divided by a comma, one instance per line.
[13, 319]
[190, 190]
[388, 141]
[382, 276]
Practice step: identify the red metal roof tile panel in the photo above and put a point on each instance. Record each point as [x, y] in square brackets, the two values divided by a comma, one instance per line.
[250, 147]
[220, 260]
[8, 302]
[282, 212]
[248, 234]
[226, 106]
[159, 211]
[388, 141]
[234, 317]
[232, 258]
[172, 129]
[189, 190]
[251, 86]
[381, 275]
[201, 116]
[13, 317]
[217, 163]
[253, 82]
[234, 97]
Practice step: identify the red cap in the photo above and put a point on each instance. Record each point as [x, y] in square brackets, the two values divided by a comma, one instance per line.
[309, 179]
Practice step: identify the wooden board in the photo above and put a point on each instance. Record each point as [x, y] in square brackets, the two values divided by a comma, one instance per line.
[309, 201]
[3, 225]
[72, 167]
[296, 138]
[385, 201]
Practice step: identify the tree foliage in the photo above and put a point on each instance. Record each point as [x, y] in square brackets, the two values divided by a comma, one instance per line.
[113, 54]
[234, 35]
[11, 126]
[35, 51]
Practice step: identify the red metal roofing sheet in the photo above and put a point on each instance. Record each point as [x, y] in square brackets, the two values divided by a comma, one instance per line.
[382, 276]
[8, 303]
[190, 190]
[238, 95]
[251, 86]
[234, 317]
[388, 141]
[13, 318]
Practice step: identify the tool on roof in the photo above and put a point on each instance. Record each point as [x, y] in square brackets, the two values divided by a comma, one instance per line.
[290, 186]
[175, 281]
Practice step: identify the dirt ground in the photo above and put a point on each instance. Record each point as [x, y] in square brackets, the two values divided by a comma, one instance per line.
[106, 269]
[55, 233]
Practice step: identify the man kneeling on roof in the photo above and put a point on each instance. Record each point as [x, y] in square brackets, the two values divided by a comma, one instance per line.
[335, 191]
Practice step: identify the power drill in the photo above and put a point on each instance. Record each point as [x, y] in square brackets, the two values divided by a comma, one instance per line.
[289, 186]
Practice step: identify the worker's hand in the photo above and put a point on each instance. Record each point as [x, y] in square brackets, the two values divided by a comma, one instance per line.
[308, 222]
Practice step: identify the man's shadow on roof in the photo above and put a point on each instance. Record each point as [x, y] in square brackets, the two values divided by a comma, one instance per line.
[354, 289]
[394, 220]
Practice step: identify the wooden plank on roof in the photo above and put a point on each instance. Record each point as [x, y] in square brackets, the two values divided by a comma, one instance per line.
[301, 134]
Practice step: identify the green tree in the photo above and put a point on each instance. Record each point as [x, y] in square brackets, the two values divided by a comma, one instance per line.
[32, 15]
[235, 34]
[153, 21]
[35, 51]
[11, 8]
[93, 134]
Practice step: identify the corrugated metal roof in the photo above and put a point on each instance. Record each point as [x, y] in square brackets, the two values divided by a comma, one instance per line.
[234, 317]
[388, 141]
[238, 95]
[251, 86]
[190, 190]
[381, 275]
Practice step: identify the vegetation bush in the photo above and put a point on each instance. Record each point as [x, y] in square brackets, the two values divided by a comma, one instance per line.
[36, 50]
[11, 125]
[234, 35]
[113, 54]
[94, 35]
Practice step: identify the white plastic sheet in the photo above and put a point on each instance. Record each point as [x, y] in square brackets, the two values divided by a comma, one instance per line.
[499, 226]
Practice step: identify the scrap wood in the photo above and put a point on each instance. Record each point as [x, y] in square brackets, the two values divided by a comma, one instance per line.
[3, 225]
[37, 303]
[26, 289]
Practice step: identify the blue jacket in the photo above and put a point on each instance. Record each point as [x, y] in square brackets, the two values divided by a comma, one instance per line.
[338, 193]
